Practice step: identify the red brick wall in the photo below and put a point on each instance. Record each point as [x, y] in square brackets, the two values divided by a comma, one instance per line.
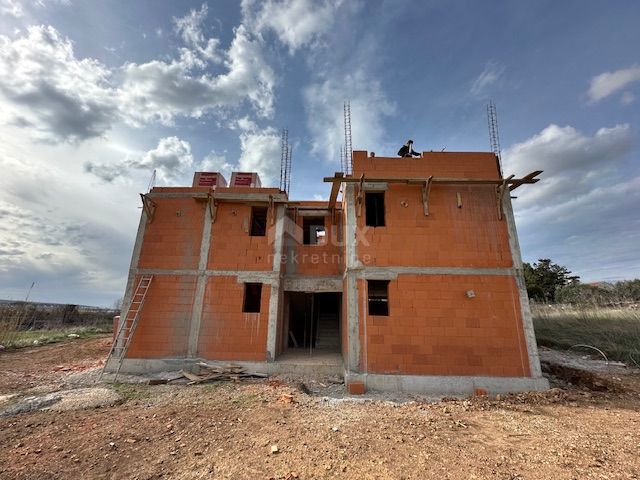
[438, 164]
[172, 239]
[226, 333]
[471, 236]
[232, 248]
[322, 260]
[435, 329]
[163, 328]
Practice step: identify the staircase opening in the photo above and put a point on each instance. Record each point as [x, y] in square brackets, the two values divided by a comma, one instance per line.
[314, 322]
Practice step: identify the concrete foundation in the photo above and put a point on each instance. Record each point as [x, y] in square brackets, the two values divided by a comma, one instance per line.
[447, 385]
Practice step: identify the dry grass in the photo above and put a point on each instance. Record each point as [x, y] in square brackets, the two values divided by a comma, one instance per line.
[11, 321]
[614, 331]
[25, 324]
[30, 338]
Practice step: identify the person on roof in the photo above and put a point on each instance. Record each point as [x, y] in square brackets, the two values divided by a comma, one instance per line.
[407, 150]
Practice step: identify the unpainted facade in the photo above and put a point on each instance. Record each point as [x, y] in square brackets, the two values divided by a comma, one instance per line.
[412, 280]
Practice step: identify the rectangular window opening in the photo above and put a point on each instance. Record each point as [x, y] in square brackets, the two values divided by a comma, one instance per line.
[313, 230]
[252, 296]
[378, 291]
[258, 221]
[374, 207]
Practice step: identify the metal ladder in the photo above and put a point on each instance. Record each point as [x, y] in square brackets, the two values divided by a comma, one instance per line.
[128, 326]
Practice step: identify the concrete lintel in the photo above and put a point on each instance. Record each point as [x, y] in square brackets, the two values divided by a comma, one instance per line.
[375, 186]
[312, 284]
[447, 385]
[527, 319]
[391, 273]
[246, 276]
[314, 213]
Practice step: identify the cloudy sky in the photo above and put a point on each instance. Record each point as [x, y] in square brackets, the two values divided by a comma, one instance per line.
[95, 95]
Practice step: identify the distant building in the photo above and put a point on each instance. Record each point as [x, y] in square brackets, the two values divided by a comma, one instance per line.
[411, 280]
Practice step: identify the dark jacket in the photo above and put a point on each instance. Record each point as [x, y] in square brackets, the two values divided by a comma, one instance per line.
[407, 151]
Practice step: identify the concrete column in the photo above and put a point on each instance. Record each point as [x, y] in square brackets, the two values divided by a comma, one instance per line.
[275, 299]
[352, 364]
[201, 285]
[527, 320]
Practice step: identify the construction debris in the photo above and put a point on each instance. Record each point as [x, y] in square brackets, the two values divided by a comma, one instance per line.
[212, 373]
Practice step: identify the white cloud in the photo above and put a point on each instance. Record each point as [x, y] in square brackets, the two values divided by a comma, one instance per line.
[172, 159]
[559, 150]
[70, 235]
[608, 83]
[260, 152]
[297, 23]
[491, 75]
[580, 213]
[51, 92]
[190, 27]
[159, 90]
[215, 162]
[369, 106]
[63, 98]
[573, 163]
[627, 98]
[11, 7]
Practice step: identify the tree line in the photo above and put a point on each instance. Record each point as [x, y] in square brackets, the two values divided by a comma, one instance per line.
[549, 282]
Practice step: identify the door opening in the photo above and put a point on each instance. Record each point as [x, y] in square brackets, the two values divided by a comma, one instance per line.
[314, 321]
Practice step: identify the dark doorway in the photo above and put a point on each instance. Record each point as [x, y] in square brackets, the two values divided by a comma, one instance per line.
[314, 321]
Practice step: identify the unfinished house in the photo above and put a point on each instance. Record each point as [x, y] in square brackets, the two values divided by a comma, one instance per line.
[409, 277]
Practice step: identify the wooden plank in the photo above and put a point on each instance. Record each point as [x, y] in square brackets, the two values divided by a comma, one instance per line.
[440, 180]
[335, 189]
[149, 207]
[360, 198]
[426, 188]
[530, 178]
[500, 195]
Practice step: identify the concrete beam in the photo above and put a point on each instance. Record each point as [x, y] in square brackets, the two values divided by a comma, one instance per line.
[312, 284]
[314, 213]
[194, 195]
[392, 272]
[245, 275]
[250, 197]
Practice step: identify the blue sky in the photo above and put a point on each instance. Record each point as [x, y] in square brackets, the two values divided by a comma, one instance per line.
[96, 95]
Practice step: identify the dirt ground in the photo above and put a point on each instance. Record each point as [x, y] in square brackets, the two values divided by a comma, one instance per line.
[271, 429]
